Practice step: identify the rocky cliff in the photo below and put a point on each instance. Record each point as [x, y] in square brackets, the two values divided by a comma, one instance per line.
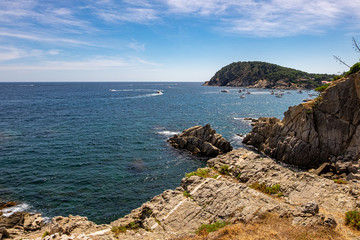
[323, 130]
[265, 75]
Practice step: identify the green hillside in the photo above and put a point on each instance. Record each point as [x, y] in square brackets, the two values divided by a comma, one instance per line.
[265, 75]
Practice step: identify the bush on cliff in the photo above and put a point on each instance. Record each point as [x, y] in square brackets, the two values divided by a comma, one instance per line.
[322, 88]
[355, 68]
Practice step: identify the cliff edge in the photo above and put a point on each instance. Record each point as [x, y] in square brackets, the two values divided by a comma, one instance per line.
[323, 130]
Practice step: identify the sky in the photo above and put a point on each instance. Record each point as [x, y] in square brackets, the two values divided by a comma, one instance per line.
[171, 40]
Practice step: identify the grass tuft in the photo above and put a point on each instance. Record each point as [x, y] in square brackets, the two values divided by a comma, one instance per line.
[201, 172]
[225, 170]
[208, 228]
[275, 189]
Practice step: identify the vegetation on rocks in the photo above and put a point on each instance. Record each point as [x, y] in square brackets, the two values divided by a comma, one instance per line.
[322, 88]
[267, 75]
[340, 181]
[208, 228]
[201, 172]
[352, 218]
[275, 189]
[225, 170]
[122, 229]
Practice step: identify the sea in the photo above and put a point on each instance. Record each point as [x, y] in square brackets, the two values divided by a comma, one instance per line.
[100, 149]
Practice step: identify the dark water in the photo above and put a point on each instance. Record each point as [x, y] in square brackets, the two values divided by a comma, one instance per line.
[78, 148]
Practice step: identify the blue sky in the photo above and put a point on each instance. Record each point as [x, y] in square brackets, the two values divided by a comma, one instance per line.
[171, 40]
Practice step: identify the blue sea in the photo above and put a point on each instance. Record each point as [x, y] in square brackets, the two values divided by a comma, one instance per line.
[99, 149]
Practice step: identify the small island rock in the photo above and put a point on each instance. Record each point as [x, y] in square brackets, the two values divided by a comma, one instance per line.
[201, 140]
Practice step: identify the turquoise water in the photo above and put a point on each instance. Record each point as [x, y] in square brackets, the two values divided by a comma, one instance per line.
[99, 149]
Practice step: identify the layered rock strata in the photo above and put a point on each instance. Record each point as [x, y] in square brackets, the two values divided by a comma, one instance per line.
[201, 140]
[304, 199]
[222, 192]
[313, 133]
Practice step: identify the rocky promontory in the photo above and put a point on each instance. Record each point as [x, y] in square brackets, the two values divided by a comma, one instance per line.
[265, 75]
[326, 129]
[201, 140]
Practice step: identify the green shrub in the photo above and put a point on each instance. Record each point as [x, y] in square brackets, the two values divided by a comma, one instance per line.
[340, 181]
[322, 88]
[352, 218]
[224, 170]
[46, 233]
[355, 68]
[186, 194]
[201, 172]
[208, 228]
[275, 189]
[133, 225]
[119, 229]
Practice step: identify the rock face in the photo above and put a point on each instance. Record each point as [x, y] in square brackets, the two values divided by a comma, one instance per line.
[313, 133]
[305, 199]
[201, 140]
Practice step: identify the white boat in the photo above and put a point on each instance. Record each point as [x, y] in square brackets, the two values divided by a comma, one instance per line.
[224, 90]
[248, 92]
[242, 96]
[112, 90]
[159, 92]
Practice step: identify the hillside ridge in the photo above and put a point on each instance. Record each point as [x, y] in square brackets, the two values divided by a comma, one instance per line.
[258, 74]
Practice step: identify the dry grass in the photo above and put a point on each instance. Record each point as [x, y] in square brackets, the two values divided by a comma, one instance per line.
[270, 227]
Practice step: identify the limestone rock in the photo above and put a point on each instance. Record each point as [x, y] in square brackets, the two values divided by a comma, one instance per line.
[33, 222]
[314, 132]
[201, 140]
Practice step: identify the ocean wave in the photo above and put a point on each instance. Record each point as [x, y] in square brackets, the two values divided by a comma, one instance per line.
[236, 140]
[167, 133]
[23, 207]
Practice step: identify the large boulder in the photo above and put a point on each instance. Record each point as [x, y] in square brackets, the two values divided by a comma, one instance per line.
[315, 132]
[201, 140]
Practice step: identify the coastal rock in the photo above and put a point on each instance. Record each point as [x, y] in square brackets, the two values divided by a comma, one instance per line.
[314, 132]
[304, 198]
[201, 140]
[33, 222]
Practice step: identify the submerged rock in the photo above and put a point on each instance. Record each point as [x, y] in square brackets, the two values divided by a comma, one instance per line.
[201, 140]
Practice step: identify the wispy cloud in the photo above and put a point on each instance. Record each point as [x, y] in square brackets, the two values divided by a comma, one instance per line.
[271, 18]
[136, 46]
[94, 63]
[8, 53]
[137, 15]
[39, 38]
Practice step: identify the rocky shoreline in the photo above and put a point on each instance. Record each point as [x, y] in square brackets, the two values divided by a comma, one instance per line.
[245, 186]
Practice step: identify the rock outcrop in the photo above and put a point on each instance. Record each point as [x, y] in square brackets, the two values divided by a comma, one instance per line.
[305, 199]
[223, 192]
[201, 140]
[314, 132]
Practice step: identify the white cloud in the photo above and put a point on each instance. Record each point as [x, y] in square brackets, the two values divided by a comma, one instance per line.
[137, 15]
[136, 46]
[271, 18]
[39, 38]
[8, 53]
[95, 63]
